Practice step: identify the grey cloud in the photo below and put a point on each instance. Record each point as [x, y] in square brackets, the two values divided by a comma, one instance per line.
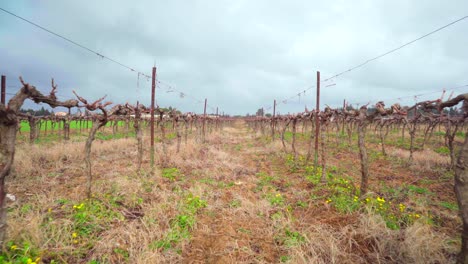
[241, 55]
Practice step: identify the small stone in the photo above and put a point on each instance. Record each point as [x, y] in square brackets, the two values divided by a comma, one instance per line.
[11, 197]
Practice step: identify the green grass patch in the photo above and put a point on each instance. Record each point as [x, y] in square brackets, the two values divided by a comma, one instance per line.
[109, 136]
[442, 150]
[74, 124]
[448, 205]
[295, 164]
[418, 190]
[234, 203]
[275, 199]
[94, 216]
[182, 224]
[171, 136]
[171, 173]
[291, 238]
[265, 180]
[20, 253]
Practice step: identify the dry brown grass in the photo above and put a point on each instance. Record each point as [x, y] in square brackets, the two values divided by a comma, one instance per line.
[370, 241]
[239, 224]
[426, 159]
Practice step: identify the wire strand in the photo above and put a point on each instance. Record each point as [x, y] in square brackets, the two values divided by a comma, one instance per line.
[91, 51]
[415, 95]
[73, 42]
[395, 49]
[384, 54]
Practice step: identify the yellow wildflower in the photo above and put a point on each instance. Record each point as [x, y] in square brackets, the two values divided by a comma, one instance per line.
[278, 195]
[74, 235]
[13, 247]
[81, 205]
[402, 207]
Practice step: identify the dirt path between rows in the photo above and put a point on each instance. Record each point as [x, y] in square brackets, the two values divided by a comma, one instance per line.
[238, 229]
[243, 225]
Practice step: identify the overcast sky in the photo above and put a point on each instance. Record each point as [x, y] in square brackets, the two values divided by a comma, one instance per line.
[241, 55]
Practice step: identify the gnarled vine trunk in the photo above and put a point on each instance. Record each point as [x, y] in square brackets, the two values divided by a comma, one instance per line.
[8, 127]
[32, 129]
[461, 191]
[383, 135]
[322, 142]
[293, 143]
[89, 141]
[283, 131]
[139, 137]
[362, 123]
[179, 135]
[7, 153]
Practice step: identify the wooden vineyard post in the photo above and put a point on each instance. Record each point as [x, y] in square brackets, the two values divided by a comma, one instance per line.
[3, 89]
[217, 120]
[204, 120]
[317, 121]
[153, 90]
[139, 135]
[344, 108]
[273, 121]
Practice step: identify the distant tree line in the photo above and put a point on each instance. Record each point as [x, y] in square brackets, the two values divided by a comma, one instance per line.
[452, 111]
[40, 112]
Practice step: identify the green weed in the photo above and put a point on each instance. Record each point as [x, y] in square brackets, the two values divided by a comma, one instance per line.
[448, 205]
[265, 180]
[291, 238]
[208, 181]
[243, 230]
[295, 164]
[170, 136]
[26, 208]
[171, 173]
[22, 253]
[301, 204]
[419, 190]
[442, 150]
[93, 216]
[275, 199]
[182, 223]
[344, 203]
[122, 252]
[235, 203]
